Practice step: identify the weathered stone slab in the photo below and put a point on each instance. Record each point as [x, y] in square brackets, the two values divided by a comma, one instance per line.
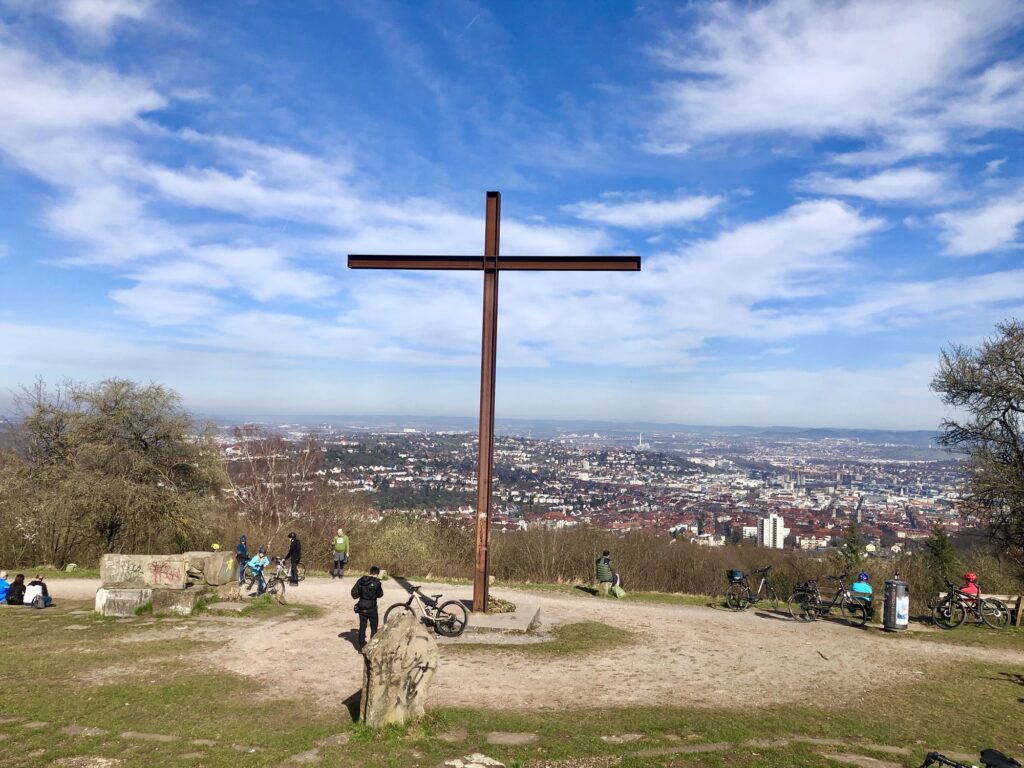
[476, 760]
[141, 571]
[136, 735]
[121, 602]
[511, 738]
[400, 662]
[177, 602]
[213, 568]
[82, 730]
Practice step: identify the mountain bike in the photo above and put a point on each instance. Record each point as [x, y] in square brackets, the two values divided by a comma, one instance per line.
[805, 604]
[990, 758]
[739, 595]
[448, 619]
[247, 572]
[275, 582]
[952, 610]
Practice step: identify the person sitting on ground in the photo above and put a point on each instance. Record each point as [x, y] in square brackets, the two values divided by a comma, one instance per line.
[16, 592]
[367, 591]
[970, 586]
[4, 586]
[256, 566]
[340, 555]
[604, 573]
[37, 588]
[242, 556]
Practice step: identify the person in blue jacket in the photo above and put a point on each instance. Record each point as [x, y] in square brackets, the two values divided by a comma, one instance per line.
[242, 556]
[861, 588]
[4, 586]
[256, 565]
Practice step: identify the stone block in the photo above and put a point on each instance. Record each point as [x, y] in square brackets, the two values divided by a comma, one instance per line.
[121, 602]
[399, 664]
[230, 591]
[144, 571]
[213, 568]
[177, 602]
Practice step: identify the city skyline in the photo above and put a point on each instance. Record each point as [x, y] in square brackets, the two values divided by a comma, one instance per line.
[824, 197]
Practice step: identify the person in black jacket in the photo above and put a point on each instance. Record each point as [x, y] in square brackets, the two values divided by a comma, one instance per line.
[366, 591]
[16, 594]
[294, 556]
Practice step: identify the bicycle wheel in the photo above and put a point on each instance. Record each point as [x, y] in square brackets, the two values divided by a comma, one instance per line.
[855, 611]
[275, 587]
[803, 607]
[396, 608]
[995, 613]
[450, 619]
[772, 597]
[737, 597]
[948, 614]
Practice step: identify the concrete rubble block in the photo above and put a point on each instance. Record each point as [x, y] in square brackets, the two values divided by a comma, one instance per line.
[121, 602]
[231, 591]
[144, 571]
[399, 665]
[177, 602]
[213, 568]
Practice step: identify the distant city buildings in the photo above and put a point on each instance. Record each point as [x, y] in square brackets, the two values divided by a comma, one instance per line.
[772, 532]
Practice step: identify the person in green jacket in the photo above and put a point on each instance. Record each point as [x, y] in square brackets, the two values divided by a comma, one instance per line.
[340, 545]
[604, 573]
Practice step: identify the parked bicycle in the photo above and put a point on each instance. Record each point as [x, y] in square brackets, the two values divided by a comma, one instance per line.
[448, 619]
[990, 758]
[806, 604]
[275, 582]
[739, 596]
[954, 608]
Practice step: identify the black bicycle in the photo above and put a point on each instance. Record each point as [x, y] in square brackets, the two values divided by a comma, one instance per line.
[448, 619]
[739, 595]
[806, 604]
[990, 758]
[953, 609]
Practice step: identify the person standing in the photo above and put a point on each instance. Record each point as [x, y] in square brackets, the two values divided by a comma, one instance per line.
[340, 554]
[366, 592]
[242, 556]
[604, 573]
[294, 557]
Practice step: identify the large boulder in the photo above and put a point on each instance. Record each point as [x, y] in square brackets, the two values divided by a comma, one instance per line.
[121, 602]
[213, 568]
[144, 571]
[399, 664]
[177, 602]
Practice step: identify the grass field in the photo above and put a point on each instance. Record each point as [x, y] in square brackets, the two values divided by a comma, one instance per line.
[68, 667]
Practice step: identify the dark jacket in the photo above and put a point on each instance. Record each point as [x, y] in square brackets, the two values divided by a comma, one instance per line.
[242, 551]
[365, 592]
[294, 551]
[16, 594]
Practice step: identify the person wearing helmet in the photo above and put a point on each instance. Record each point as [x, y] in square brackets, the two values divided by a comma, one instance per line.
[340, 546]
[256, 566]
[862, 588]
[294, 557]
[242, 556]
[970, 586]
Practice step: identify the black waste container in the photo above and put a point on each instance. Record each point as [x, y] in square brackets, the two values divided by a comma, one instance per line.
[897, 606]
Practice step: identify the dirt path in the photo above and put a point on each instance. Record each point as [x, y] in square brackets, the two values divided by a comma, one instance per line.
[685, 656]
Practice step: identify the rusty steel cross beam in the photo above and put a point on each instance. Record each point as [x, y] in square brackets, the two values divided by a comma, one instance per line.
[490, 264]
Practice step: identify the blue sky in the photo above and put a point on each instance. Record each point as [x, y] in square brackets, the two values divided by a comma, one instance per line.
[824, 196]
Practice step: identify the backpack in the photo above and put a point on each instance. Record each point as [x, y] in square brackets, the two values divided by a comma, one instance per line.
[617, 591]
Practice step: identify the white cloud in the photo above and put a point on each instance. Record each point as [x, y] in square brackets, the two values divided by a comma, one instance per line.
[160, 305]
[97, 18]
[991, 227]
[901, 185]
[645, 214]
[871, 70]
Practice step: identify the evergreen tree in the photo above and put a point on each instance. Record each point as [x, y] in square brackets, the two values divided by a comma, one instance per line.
[853, 548]
[941, 558]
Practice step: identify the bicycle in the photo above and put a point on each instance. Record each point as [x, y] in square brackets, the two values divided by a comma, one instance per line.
[805, 604]
[275, 583]
[739, 596]
[952, 611]
[990, 758]
[448, 619]
[247, 572]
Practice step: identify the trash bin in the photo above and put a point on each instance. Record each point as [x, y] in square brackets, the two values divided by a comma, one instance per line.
[897, 606]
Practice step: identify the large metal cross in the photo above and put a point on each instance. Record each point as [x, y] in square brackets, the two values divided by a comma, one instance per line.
[490, 265]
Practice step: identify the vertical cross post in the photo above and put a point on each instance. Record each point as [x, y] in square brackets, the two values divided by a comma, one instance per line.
[488, 369]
